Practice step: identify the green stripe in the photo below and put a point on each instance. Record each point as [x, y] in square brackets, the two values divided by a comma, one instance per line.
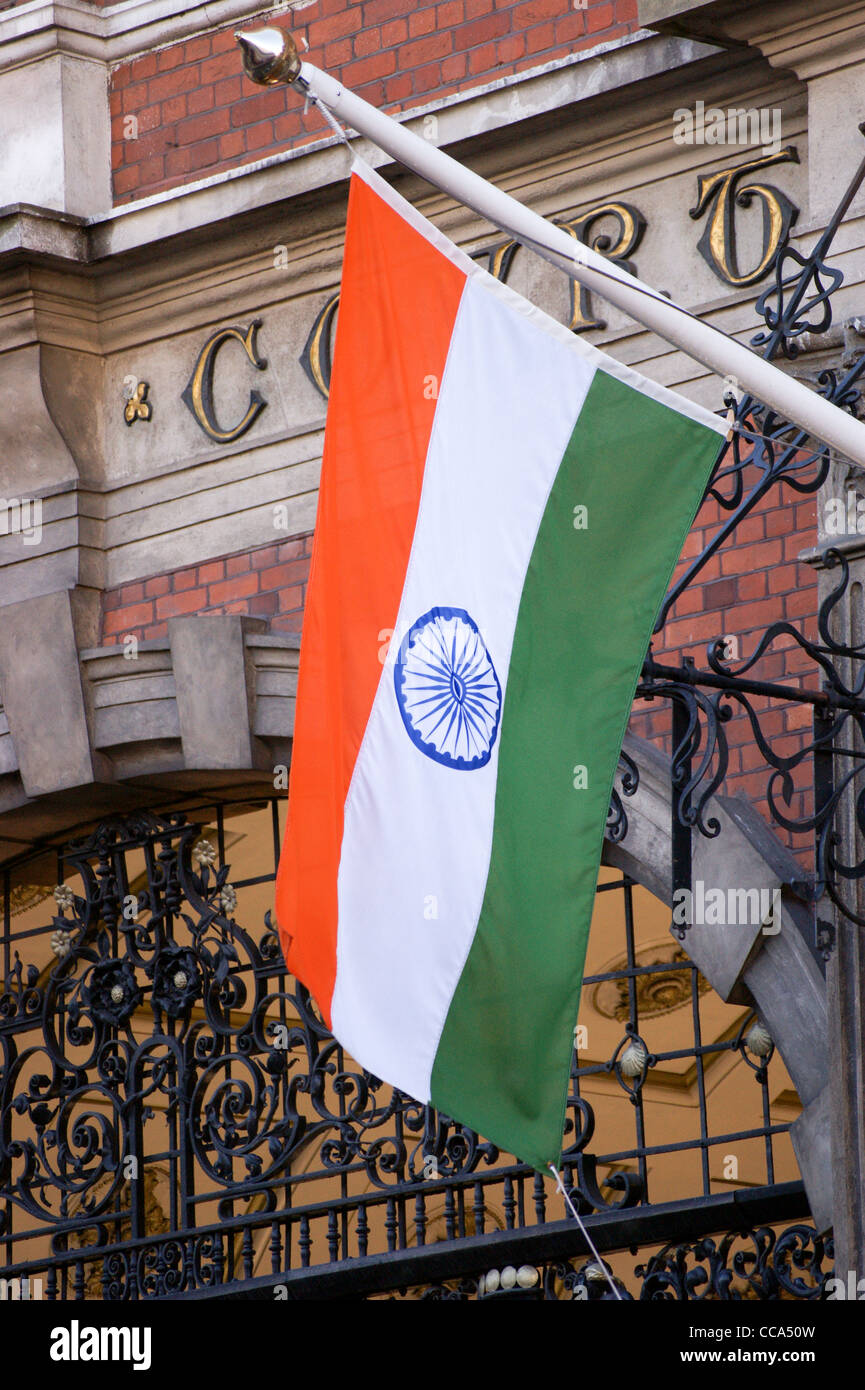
[585, 619]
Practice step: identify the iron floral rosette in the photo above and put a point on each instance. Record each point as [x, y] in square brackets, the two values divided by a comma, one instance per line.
[112, 994]
[177, 982]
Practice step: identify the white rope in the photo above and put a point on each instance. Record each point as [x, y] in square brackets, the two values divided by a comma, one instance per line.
[560, 1187]
[330, 118]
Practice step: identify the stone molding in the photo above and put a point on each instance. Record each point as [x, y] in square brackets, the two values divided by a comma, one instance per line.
[139, 290]
[113, 33]
[806, 36]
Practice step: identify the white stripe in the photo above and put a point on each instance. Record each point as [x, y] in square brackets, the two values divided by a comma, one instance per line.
[575, 344]
[418, 834]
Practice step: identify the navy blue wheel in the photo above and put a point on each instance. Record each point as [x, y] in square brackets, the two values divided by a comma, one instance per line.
[447, 689]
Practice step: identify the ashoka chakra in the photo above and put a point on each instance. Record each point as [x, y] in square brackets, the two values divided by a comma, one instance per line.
[447, 689]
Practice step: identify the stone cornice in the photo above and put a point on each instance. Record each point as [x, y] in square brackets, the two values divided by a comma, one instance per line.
[115, 32]
[808, 37]
[474, 115]
[41, 232]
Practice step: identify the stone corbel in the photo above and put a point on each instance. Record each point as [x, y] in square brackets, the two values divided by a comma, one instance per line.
[43, 697]
[207, 710]
[214, 682]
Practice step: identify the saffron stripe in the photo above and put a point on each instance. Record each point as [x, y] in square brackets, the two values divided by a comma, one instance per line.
[397, 310]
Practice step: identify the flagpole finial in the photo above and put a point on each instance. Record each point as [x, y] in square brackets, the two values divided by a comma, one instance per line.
[269, 56]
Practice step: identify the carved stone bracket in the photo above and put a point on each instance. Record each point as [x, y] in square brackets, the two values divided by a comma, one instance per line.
[209, 708]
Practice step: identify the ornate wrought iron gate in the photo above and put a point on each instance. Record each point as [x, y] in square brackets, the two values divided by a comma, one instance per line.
[178, 1121]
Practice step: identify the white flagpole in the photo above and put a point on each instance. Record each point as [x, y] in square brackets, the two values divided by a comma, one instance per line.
[270, 57]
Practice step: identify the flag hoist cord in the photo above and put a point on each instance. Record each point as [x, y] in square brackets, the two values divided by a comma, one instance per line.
[560, 1187]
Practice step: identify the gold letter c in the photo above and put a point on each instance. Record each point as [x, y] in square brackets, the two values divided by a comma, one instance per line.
[198, 395]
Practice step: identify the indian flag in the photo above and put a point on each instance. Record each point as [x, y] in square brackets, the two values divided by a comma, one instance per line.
[501, 508]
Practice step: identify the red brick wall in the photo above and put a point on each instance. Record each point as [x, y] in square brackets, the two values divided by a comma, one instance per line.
[269, 582]
[752, 582]
[186, 111]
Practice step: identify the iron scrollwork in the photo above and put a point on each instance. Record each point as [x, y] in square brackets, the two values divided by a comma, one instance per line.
[757, 1264]
[176, 1116]
[165, 1027]
[762, 452]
